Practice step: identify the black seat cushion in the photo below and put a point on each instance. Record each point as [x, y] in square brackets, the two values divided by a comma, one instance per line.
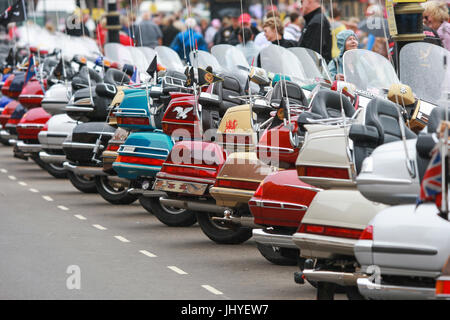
[327, 103]
[116, 77]
[288, 89]
[81, 80]
[382, 125]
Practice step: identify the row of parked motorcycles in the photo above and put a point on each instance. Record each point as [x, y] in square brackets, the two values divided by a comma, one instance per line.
[321, 174]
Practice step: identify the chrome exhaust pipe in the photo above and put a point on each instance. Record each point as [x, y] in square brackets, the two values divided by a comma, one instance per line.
[52, 158]
[117, 179]
[248, 222]
[147, 193]
[84, 170]
[339, 278]
[192, 205]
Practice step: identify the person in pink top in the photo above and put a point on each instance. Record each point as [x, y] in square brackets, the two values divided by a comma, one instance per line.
[436, 17]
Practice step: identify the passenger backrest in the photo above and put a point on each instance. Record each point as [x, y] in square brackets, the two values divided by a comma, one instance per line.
[226, 89]
[382, 125]
[288, 89]
[327, 104]
[116, 77]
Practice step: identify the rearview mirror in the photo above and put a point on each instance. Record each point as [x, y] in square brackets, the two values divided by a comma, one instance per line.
[259, 76]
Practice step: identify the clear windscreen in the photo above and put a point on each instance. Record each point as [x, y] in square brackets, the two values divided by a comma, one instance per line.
[313, 64]
[205, 59]
[281, 61]
[369, 71]
[169, 59]
[118, 53]
[422, 68]
[139, 59]
[230, 57]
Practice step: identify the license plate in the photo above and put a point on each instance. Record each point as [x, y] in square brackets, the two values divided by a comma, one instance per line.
[180, 187]
[128, 149]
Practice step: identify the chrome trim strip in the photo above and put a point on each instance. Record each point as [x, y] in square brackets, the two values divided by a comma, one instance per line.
[164, 175]
[180, 123]
[288, 150]
[29, 125]
[188, 166]
[261, 203]
[276, 240]
[31, 96]
[403, 250]
[78, 145]
[368, 180]
[80, 109]
[24, 147]
[382, 291]
[304, 187]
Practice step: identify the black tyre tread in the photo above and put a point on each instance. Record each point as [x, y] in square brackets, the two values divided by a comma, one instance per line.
[275, 257]
[230, 236]
[58, 174]
[152, 205]
[81, 185]
[120, 199]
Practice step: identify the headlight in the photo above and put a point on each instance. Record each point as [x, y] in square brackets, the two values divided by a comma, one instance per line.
[367, 165]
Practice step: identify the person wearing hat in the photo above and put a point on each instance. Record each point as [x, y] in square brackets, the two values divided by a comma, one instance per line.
[346, 40]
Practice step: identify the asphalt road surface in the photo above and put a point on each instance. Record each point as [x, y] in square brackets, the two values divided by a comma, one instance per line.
[59, 243]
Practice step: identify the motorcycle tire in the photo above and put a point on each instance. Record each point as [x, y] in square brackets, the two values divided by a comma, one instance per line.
[81, 183]
[352, 293]
[59, 172]
[4, 142]
[172, 217]
[113, 194]
[221, 234]
[276, 257]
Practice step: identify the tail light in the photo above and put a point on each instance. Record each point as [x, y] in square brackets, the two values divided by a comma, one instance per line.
[330, 231]
[323, 172]
[140, 160]
[112, 147]
[194, 171]
[367, 234]
[237, 184]
[443, 282]
[133, 120]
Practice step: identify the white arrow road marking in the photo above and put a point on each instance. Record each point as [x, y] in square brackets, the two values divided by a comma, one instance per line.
[3, 170]
[211, 289]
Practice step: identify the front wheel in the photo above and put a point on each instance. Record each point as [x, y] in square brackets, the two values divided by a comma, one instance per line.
[281, 257]
[112, 192]
[221, 234]
[83, 183]
[170, 216]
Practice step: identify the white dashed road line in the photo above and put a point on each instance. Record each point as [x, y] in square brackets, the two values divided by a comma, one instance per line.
[176, 269]
[34, 190]
[3, 170]
[211, 289]
[47, 198]
[12, 178]
[99, 227]
[22, 183]
[120, 238]
[79, 216]
[148, 254]
[63, 208]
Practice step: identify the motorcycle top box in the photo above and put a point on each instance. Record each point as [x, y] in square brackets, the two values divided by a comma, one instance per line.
[56, 98]
[86, 137]
[32, 93]
[142, 154]
[31, 124]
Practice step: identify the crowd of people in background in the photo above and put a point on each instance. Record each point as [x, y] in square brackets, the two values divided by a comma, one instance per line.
[308, 25]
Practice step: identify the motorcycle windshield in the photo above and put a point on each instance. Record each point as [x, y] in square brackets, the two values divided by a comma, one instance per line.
[369, 71]
[118, 53]
[422, 68]
[230, 57]
[280, 60]
[139, 59]
[169, 59]
[205, 59]
[313, 64]
[149, 53]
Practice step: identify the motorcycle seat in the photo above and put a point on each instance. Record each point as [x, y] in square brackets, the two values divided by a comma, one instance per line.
[116, 77]
[81, 80]
[288, 89]
[324, 105]
[382, 125]
[226, 90]
[427, 139]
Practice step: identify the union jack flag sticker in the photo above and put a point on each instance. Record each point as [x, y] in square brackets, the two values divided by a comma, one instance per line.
[431, 187]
